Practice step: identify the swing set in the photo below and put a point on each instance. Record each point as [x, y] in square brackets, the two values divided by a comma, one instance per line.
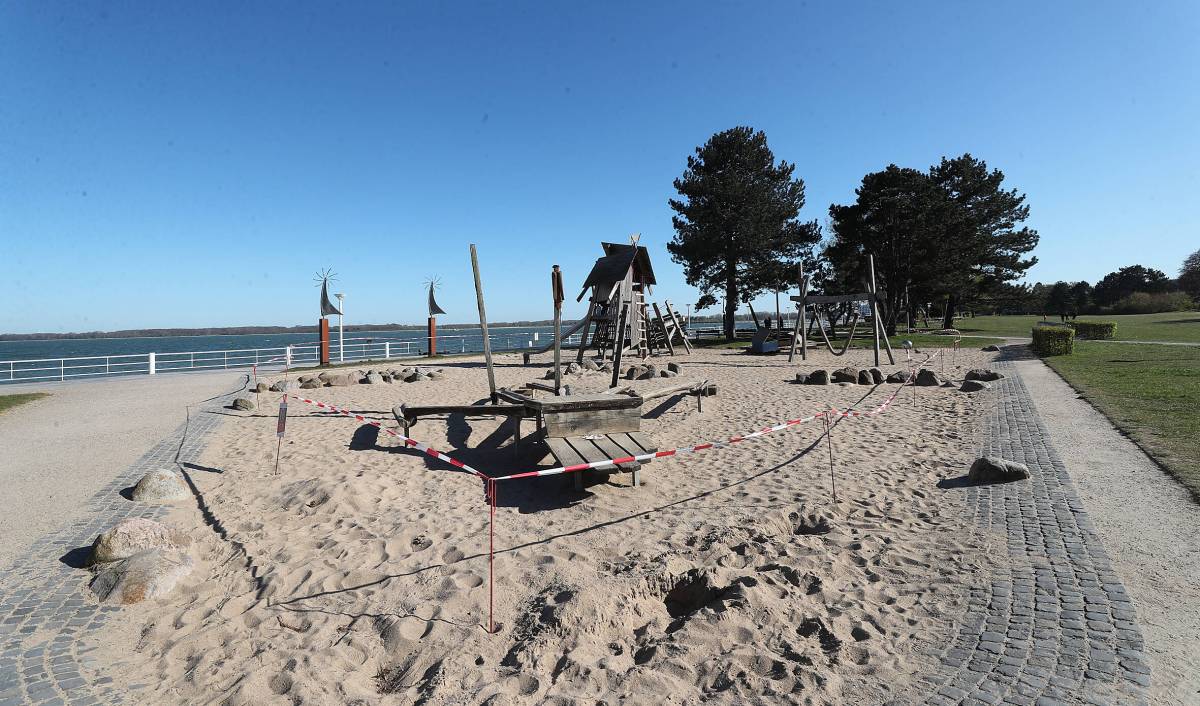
[805, 300]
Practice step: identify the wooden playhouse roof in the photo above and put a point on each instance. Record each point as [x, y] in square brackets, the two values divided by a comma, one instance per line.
[617, 260]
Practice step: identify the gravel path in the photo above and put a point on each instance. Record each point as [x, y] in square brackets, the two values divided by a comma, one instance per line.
[58, 451]
[1147, 521]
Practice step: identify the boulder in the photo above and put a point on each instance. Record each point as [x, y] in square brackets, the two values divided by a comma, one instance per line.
[674, 367]
[151, 573]
[991, 349]
[260, 387]
[864, 378]
[135, 534]
[342, 380]
[982, 374]
[801, 378]
[948, 384]
[549, 374]
[573, 368]
[416, 376]
[324, 377]
[818, 377]
[438, 374]
[650, 372]
[386, 377]
[242, 404]
[974, 386]
[373, 378]
[635, 372]
[845, 375]
[590, 364]
[901, 376]
[667, 373]
[280, 386]
[159, 486]
[927, 378]
[310, 384]
[305, 378]
[992, 469]
[876, 376]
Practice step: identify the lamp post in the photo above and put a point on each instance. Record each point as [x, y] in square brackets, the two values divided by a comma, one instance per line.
[341, 316]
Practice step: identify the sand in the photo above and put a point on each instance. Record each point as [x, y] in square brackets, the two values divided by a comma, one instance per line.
[59, 450]
[1147, 521]
[359, 573]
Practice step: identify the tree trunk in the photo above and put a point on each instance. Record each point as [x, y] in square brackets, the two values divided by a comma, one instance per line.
[948, 319]
[730, 304]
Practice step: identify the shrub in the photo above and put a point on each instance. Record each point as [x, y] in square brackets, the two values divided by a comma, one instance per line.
[1144, 303]
[1095, 330]
[1053, 340]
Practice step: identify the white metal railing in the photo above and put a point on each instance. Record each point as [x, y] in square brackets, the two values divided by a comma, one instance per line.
[296, 355]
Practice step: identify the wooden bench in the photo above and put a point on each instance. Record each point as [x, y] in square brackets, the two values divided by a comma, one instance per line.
[572, 450]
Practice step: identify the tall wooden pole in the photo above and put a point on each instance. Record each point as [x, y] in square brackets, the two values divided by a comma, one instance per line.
[879, 328]
[620, 346]
[556, 291]
[798, 331]
[487, 343]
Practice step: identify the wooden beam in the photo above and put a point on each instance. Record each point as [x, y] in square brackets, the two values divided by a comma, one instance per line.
[487, 344]
[798, 329]
[678, 325]
[879, 328]
[556, 292]
[620, 345]
[667, 333]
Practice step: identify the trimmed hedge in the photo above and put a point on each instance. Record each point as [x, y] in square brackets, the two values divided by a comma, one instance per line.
[1095, 330]
[1053, 340]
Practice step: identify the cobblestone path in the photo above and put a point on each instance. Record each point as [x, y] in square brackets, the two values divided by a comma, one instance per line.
[46, 607]
[1055, 626]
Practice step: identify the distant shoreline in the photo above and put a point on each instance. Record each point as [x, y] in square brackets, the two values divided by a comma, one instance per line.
[248, 331]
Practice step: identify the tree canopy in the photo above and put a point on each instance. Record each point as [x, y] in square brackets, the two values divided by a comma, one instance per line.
[1120, 284]
[737, 227]
[953, 232]
[1189, 276]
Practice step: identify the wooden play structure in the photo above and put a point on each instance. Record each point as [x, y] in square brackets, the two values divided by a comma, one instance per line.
[806, 300]
[618, 319]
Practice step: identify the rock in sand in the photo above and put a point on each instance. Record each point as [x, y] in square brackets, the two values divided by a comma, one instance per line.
[152, 573]
[970, 385]
[927, 378]
[982, 374]
[993, 469]
[845, 375]
[242, 404]
[901, 376]
[864, 378]
[280, 386]
[818, 377]
[135, 534]
[162, 485]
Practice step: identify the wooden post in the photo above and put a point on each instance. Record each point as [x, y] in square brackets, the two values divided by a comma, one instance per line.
[487, 344]
[879, 328]
[620, 345]
[666, 333]
[556, 291]
[587, 327]
[323, 336]
[431, 336]
[799, 329]
[678, 325]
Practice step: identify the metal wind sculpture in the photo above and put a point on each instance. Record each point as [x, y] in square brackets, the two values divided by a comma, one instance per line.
[327, 309]
[323, 278]
[433, 283]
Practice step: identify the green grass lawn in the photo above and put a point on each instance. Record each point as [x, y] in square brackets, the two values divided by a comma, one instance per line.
[7, 402]
[1180, 326]
[1152, 393]
[919, 340]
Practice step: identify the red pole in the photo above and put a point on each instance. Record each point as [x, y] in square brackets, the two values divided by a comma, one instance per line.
[491, 554]
[431, 335]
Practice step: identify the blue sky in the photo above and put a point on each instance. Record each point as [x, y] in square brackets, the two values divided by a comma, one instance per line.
[171, 165]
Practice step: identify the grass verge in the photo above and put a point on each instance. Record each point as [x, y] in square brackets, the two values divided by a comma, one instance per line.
[1149, 392]
[919, 340]
[7, 402]
[1175, 326]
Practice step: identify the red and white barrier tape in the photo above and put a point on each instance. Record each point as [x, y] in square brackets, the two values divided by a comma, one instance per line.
[626, 459]
[408, 441]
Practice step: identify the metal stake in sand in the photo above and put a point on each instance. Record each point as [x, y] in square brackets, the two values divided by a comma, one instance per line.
[829, 443]
[491, 486]
[280, 427]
